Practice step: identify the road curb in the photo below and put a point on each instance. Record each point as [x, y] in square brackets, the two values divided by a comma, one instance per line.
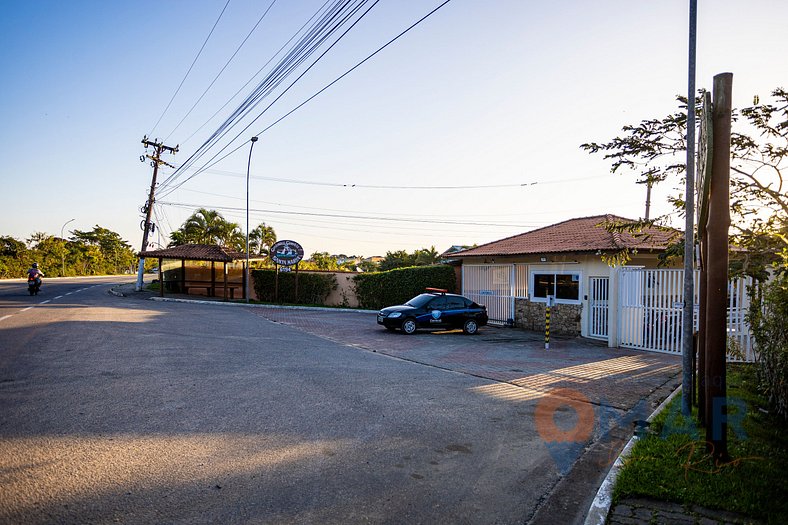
[600, 507]
[258, 305]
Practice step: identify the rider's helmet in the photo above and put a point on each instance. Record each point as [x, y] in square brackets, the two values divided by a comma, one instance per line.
[35, 265]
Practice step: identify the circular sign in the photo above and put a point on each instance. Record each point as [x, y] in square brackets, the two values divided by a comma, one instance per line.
[286, 253]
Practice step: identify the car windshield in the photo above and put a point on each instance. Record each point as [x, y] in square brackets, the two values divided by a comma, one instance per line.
[420, 300]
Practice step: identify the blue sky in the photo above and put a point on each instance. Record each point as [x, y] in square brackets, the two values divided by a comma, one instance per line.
[482, 93]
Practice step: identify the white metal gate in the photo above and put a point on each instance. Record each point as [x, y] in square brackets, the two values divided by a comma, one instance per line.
[650, 309]
[495, 286]
[599, 290]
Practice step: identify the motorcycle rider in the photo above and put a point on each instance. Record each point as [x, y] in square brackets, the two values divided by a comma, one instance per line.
[34, 273]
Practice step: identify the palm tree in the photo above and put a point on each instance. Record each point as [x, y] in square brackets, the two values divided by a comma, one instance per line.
[229, 234]
[261, 239]
[207, 227]
[203, 227]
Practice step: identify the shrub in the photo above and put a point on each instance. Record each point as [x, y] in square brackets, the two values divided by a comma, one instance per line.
[768, 320]
[380, 289]
[313, 288]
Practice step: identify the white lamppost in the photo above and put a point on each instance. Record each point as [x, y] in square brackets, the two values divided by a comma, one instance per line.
[248, 276]
[63, 253]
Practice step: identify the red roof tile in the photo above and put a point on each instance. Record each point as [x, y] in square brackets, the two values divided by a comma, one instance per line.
[196, 252]
[584, 234]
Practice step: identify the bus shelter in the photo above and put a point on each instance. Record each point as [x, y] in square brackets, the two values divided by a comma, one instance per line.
[202, 269]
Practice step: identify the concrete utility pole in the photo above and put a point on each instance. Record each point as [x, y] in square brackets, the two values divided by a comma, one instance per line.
[687, 349]
[248, 272]
[63, 253]
[158, 149]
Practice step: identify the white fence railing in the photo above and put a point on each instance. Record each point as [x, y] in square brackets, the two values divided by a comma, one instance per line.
[650, 312]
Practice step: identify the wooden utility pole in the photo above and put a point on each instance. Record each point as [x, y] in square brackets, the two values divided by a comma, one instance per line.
[717, 267]
[158, 149]
[706, 155]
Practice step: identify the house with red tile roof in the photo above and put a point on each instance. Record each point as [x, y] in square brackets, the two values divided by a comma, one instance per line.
[563, 263]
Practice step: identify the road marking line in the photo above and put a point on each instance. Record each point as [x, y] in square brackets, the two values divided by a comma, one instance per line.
[25, 309]
[45, 302]
[58, 297]
[4, 317]
[69, 293]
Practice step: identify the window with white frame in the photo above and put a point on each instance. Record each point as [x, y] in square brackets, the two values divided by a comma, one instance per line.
[564, 286]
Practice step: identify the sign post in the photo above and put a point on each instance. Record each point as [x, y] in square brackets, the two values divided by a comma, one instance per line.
[286, 254]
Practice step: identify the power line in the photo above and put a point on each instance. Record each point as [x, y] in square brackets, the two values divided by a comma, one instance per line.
[342, 216]
[225, 129]
[212, 163]
[258, 72]
[330, 22]
[400, 186]
[223, 68]
[189, 71]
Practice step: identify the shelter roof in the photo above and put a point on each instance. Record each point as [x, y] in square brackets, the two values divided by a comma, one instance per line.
[196, 252]
[585, 234]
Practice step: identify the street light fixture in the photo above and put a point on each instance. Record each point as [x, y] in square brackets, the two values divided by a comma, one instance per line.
[63, 253]
[248, 275]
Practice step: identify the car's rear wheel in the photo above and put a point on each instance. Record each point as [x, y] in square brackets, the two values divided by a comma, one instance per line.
[409, 326]
[470, 327]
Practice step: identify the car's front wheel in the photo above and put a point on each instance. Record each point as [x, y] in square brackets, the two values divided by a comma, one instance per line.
[470, 327]
[408, 326]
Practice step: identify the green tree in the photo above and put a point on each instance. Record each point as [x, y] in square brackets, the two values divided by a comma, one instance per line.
[426, 256]
[324, 261]
[261, 239]
[398, 259]
[368, 266]
[14, 257]
[209, 227]
[655, 151]
[111, 255]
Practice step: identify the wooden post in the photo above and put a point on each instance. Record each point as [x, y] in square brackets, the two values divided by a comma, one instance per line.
[183, 276]
[706, 152]
[716, 310]
[296, 284]
[276, 283]
[703, 294]
[225, 281]
[244, 279]
[213, 279]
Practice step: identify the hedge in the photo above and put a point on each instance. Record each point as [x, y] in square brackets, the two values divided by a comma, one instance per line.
[380, 289]
[313, 288]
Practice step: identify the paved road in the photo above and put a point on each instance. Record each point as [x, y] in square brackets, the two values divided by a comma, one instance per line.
[134, 411]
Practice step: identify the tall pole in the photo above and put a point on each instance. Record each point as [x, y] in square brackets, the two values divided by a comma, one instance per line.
[158, 149]
[248, 275]
[63, 254]
[717, 278]
[689, 227]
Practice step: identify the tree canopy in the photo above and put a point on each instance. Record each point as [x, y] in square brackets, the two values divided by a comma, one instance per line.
[95, 252]
[206, 226]
[654, 150]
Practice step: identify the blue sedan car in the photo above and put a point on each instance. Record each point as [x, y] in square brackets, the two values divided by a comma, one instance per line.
[435, 309]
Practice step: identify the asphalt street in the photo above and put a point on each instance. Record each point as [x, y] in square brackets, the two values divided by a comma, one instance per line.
[123, 409]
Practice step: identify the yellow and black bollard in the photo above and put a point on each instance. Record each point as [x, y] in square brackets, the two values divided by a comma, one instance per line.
[547, 323]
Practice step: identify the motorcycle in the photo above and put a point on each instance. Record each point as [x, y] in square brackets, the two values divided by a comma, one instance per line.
[33, 285]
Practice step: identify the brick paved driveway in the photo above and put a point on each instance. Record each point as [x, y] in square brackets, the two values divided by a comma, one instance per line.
[522, 370]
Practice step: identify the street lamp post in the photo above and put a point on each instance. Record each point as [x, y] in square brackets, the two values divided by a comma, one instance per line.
[248, 272]
[63, 253]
